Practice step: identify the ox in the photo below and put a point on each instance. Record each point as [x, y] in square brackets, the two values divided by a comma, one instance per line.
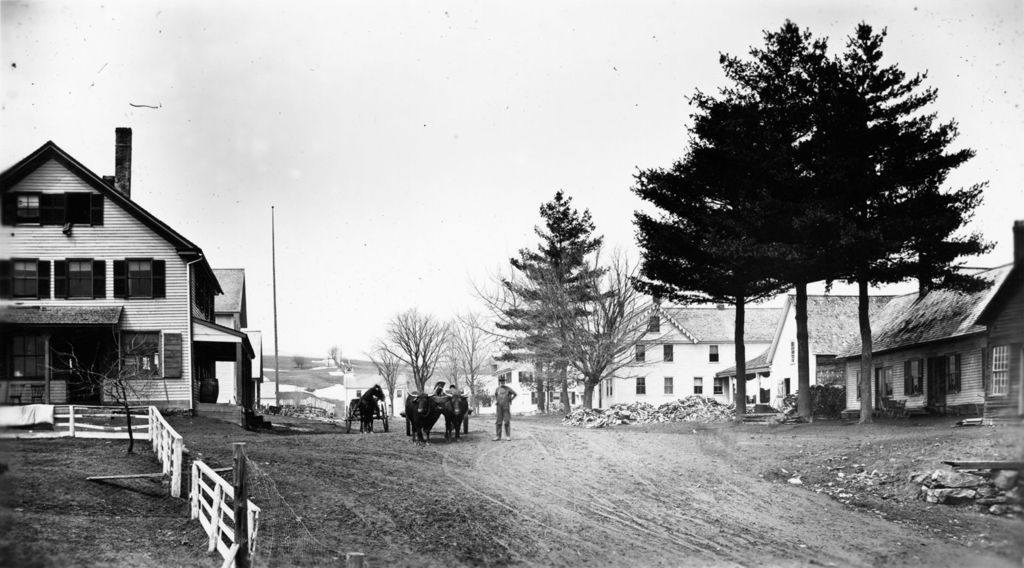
[455, 410]
[421, 413]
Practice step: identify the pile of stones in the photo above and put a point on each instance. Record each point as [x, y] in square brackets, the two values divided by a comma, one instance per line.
[689, 409]
[998, 491]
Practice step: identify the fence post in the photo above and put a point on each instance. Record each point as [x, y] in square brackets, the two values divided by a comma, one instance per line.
[241, 506]
[193, 495]
[176, 468]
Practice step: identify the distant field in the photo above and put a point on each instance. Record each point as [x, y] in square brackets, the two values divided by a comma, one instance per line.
[308, 377]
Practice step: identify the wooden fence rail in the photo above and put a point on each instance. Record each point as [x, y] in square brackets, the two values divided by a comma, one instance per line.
[211, 501]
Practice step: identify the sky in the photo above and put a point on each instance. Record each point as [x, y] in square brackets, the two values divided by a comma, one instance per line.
[406, 146]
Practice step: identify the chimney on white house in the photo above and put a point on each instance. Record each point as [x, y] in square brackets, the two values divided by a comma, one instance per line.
[123, 161]
[1018, 242]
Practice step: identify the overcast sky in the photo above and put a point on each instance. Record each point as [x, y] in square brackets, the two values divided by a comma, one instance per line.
[407, 146]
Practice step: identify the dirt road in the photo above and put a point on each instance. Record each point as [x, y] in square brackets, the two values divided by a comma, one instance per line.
[558, 496]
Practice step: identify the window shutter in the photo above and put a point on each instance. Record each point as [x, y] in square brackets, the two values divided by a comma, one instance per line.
[159, 278]
[51, 208]
[43, 279]
[96, 210]
[120, 279]
[5, 279]
[908, 384]
[172, 355]
[99, 279]
[60, 279]
[10, 214]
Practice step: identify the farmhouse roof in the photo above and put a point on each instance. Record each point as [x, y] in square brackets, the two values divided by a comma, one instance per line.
[232, 282]
[60, 315]
[50, 151]
[717, 324]
[939, 315]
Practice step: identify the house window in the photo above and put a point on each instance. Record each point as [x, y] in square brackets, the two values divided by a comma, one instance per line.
[641, 353]
[141, 353]
[669, 387]
[884, 377]
[80, 278]
[1000, 370]
[856, 381]
[698, 385]
[28, 357]
[668, 352]
[398, 393]
[719, 387]
[654, 324]
[533, 397]
[913, 377]
[78, 208]
[507, 377]
[641, 385]
[359, 394]
[713, 353]
[792, 351]
[27, 208]
[140, 278]
[609, 388]
[953, 373]
[26, 278]
[524, 377]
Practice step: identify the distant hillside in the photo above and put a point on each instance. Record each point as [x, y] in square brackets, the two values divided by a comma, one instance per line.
[309, 377]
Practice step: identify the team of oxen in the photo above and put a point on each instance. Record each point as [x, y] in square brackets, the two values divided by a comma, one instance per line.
[422, 410]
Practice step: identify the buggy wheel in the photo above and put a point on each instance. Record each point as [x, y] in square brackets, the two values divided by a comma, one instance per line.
[384, 419]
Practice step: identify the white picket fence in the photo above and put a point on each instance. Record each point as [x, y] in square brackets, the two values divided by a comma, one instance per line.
[108, 422]
[211, 499]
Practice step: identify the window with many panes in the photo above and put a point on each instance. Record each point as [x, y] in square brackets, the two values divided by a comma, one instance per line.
[641, 353]
[641, 385]
[141, 353]
[668, 353]
[913, 377]
[27, 209]
[609, 387]
[953, 373]
[28, 357]
[1000, 370]
[884, 377]
[140, 278]
[25, 275]
[669, 387]
[713, 353]
[719, 386]
[698, 385]
[80, 278]
[77, 208]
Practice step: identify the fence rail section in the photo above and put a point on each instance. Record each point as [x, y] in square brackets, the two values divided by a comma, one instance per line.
[211, 500]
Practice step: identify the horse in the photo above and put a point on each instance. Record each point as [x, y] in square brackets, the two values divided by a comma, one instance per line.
[367, 406]
[455, 409]
[421, 413]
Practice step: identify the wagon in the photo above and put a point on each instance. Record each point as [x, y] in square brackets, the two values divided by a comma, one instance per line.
[355, 416]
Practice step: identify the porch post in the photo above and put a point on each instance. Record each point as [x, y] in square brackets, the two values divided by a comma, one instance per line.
[240, 394]
[48, 370]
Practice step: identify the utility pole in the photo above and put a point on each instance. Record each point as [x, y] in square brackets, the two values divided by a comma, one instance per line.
[273, 271]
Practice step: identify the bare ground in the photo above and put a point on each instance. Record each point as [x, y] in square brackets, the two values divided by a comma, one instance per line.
[677, 494]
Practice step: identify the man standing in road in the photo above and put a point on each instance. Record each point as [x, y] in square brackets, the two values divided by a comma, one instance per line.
[503, 397]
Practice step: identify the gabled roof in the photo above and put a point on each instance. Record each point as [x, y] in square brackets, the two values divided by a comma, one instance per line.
[759, 364]
[940, 315]
[232, 282]
[50, 151]
[717, 325]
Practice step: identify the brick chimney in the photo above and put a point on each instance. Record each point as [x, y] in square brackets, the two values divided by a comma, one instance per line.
[123, 161]
[1018, 242]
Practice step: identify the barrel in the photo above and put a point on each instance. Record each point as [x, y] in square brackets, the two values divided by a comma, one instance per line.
[208, 390]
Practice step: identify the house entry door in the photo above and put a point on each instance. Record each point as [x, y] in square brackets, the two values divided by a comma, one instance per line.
[935, 382]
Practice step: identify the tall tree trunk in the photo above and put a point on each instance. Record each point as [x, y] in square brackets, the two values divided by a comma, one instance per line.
[866, 402]
[563, 373]
[588, 393]
[538, 384]
[803, 361]
[741, 362]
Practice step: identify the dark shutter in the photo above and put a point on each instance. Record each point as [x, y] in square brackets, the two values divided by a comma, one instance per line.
[172, 355]
[908, 383]
[96, 209]
[120, 279]
[99, 279]
[51, 208]
[60, 279]
[6, 290]
[159, 278]
[43, 279]
[10, 214]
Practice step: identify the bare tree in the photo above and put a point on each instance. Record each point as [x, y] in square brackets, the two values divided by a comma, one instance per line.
[300, 361]
[471, 348]
[419, 341]
[388, 365]
[125, 375]
[334, 354]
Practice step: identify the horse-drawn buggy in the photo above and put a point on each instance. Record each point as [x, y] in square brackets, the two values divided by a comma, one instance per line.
[367, 408]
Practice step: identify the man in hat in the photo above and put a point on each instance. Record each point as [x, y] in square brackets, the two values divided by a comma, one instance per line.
[503, 397]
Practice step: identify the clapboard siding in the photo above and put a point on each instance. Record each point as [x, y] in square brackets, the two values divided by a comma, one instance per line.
[972, 389]
[121, 236]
